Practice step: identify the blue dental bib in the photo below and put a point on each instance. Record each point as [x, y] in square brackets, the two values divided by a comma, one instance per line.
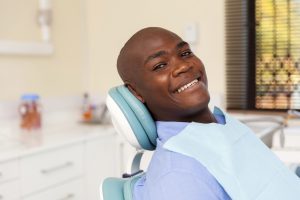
[241, 163]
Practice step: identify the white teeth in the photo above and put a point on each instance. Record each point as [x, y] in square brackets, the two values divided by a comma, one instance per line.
[187, 86]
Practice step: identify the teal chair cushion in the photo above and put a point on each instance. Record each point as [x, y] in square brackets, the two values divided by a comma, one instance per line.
[119, 188]
[137, 115]
[112, 189]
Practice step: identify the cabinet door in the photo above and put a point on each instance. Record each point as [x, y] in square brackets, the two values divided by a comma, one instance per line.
[39, 171]
[125, 153]
[10, 190]
[288, 156]
[8, 170]
[71, 190]
[101, 162]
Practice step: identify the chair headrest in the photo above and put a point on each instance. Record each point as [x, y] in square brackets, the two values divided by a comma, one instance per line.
[131, 118]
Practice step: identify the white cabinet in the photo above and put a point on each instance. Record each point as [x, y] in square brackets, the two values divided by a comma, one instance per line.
[9, 170]
[65, 166]
[124, 155]
[288, 156]
[50, 168]
[9, 180]
[68, 191]
[100, 162]
[10, 190]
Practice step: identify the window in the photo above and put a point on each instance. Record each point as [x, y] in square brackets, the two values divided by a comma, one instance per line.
[263, 54]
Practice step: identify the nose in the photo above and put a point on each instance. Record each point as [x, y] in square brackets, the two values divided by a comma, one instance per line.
[181, 66]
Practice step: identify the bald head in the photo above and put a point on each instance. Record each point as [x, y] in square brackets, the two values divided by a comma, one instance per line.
[160, 70]
[131, 55]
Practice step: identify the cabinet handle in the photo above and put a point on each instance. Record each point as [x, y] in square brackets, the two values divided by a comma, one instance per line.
[59, 167]
[69, 196]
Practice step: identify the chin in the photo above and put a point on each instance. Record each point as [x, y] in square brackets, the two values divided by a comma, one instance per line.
[195, 105]
[200, 102]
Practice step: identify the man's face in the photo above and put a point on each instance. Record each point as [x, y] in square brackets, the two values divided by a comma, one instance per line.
[170, 78]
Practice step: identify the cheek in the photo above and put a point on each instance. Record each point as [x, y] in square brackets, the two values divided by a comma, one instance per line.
[154, 88]
[161, 80]
[156, 84]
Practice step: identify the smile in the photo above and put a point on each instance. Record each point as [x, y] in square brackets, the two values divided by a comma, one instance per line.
[187, 85]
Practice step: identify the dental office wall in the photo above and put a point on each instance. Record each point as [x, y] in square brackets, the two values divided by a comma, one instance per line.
[59, 74]
[88, 34]
[112, 22]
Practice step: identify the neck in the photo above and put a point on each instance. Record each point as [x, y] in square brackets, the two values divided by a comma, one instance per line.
[204, 116]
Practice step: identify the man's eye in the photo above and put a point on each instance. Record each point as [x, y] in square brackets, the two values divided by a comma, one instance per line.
[187, 53]
[159, 66]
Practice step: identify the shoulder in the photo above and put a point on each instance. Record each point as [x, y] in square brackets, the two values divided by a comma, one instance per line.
[165, 162]
[168, 166]
[172, 175]
[180, 185]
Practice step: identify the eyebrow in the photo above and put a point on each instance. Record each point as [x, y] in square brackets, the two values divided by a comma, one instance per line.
[161, 53]
[181, 44]
[155, 55]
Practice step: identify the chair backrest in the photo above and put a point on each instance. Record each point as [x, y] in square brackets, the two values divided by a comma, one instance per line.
[131, 119]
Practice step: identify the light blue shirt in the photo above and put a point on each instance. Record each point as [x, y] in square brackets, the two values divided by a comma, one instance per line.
[173, 176]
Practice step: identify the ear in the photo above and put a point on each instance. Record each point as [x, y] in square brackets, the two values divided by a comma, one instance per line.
[134, 92]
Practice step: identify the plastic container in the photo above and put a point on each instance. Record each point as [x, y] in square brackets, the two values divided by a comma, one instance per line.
[30, 112]
[87, 109]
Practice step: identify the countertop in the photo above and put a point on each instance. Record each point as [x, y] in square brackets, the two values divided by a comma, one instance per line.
[61, 129]
[15, 143]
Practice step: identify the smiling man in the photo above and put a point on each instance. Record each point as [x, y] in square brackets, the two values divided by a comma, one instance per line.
[199, 155]
[160, 69]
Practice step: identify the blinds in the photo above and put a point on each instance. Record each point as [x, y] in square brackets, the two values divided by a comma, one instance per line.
[263, 54]
[277, 54]
[236, 54]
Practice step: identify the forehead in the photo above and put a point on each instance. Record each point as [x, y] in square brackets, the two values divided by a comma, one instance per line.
[153, 42]
[165, 41]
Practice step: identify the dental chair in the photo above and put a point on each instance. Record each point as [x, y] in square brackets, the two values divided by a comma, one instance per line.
[132, 120]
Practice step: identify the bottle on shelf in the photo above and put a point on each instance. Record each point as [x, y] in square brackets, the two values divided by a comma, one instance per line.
[30, 112]
[87, 110]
